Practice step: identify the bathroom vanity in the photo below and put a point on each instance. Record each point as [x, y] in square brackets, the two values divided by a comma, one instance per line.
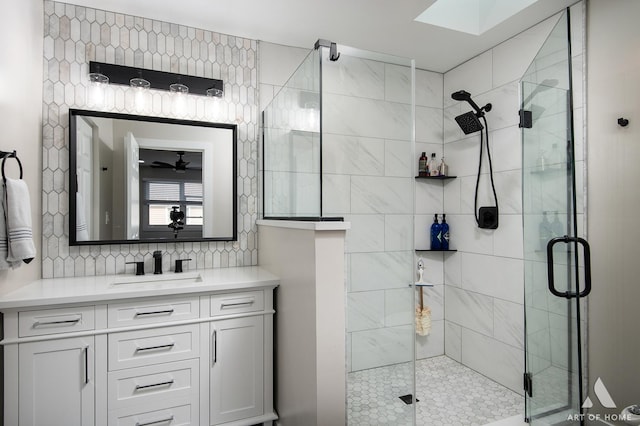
[172, 349]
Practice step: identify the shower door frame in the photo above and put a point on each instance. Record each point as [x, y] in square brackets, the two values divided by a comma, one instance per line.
[575, 295]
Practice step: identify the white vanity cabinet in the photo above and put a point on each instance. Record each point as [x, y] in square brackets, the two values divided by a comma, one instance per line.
[202, 355]
[56, 382]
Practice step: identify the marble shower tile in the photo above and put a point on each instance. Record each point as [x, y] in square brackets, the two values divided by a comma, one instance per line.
[336, 194]
[387, 195]
[367, 233]
[366, 117]
[503, 363]
[397, 232]
[378, 271]
[398, 307]
[453, 340]
[493, 276]
[384, 346]
[398, 158]
[507, 239]
[429, 88]
[508, 323]
[352, 155]
[365, 310]
[432, 344]
[429, 124]
[469, 310]
[353, 76]
[474, 76]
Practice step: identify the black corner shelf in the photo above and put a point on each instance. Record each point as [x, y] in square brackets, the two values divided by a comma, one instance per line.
[449, 250]
[436, 177]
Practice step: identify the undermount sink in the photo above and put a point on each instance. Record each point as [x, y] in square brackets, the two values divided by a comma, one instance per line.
[189, 277]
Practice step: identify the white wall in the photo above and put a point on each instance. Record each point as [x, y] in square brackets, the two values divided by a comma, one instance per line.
[20, 113]
[310, 372]
[613, 91]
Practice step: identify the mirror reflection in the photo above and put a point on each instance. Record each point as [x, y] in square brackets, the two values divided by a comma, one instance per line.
[141, 179]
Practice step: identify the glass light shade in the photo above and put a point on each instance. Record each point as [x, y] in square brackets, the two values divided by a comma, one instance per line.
[96, 90]
[213, 92]
[179, 102]
[141, 99]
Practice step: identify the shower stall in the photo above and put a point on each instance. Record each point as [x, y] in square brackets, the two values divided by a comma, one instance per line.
[341, 141]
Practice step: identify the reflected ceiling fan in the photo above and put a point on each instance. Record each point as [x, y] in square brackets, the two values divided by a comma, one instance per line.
[179, 166]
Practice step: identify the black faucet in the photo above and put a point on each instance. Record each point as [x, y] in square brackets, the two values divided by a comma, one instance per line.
[179, 263]
[157, 262]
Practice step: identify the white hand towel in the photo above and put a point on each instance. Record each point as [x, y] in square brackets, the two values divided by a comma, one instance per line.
[4, 245]
[82, 232]
[18, 215]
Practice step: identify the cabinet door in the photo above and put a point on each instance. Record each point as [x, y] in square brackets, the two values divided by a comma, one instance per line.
[57, 382]
[237, 369]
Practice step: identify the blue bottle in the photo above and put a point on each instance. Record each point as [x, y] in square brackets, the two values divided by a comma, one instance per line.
[436, 230]
[444, 232]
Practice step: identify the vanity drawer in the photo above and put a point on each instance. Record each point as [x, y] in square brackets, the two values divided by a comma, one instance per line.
[135, 387]
[236, 303]
[144, 347]
[152, 312]
[174, 414]
[53, 321]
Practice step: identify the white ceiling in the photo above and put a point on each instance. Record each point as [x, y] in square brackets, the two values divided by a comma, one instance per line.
[385, 26]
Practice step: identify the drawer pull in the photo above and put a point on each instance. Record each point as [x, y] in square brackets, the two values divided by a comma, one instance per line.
[164, 312]
[215, 346]
[155, 422]
[225, 305]
[86, 365]
[155, 385]
[155, 348]
[39, 323]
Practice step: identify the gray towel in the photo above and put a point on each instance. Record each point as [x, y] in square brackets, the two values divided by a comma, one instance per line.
[18, 215]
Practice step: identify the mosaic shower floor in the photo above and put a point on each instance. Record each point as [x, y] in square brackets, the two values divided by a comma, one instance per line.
[448, 392]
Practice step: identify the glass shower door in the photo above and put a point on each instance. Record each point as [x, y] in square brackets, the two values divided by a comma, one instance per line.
[556, 259]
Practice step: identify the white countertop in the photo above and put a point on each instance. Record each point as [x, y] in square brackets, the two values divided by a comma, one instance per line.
[57, 291]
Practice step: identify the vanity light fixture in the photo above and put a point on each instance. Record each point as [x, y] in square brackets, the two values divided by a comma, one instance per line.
[158, 80]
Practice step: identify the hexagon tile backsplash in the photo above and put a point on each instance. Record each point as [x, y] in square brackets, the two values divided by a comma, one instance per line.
[75, 35]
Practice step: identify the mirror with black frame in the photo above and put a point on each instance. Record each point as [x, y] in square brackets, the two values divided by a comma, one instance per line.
[138, 179]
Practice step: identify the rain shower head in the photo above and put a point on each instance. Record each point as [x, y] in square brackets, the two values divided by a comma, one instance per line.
[469, 122]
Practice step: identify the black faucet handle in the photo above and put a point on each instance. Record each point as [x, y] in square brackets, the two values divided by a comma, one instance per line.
[178, 267]
[139, 267]
[157, 254]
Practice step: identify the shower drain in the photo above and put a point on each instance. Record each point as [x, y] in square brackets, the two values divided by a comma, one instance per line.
[408, 398]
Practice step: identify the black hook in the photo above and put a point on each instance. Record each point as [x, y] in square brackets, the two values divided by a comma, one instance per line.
[333, 52]
[6, 155]
[623, 122]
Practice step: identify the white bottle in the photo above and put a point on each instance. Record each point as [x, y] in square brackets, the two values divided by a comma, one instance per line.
[443, 168]
[433, 165]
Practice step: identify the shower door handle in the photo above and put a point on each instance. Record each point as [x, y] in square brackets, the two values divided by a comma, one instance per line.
[587, 267]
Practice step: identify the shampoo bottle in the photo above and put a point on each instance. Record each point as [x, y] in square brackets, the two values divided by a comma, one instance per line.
[433, 165]
[436, 229]
[443, 169]
[444, 231]
[422, 165]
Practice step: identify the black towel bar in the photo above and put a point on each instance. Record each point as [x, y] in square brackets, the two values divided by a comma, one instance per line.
[9, 154]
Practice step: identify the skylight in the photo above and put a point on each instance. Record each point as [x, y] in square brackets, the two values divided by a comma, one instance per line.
[471, 16]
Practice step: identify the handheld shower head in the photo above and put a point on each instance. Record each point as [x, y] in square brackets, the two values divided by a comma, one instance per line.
[463, 95]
